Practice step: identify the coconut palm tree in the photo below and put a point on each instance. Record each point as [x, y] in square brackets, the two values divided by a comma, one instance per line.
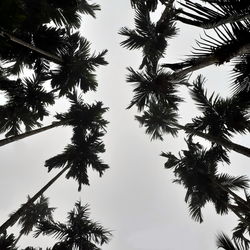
[33, 214]
[78, 233]
[78, 66]
[150, 37]
[75, 160]
[232, 41]
[160, 119]
[80, 114]
[196, 170]
[216, 14]
[27, 15]
[28, 19]
[221, 117]
[26, 104]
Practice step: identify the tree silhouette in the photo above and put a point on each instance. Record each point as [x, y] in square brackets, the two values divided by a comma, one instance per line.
[197, 171]
[78, 233]
[221, 119]
[33, 214]
[80, 114]
[76, 159]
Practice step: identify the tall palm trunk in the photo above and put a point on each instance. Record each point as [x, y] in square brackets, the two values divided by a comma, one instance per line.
[30, 133]
[13, 218]
[209, 60]
[48, 55]
[221, 141]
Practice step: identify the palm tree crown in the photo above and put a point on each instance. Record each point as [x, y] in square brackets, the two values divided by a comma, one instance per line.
[35, 213]
[78, 233]
[197, 171]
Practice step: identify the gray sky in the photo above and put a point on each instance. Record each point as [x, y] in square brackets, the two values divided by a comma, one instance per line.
[135, 197]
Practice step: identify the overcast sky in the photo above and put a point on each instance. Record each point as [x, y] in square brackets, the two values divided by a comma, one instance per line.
[136, 197]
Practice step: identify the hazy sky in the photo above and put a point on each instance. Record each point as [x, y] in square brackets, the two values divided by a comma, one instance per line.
[135, 197]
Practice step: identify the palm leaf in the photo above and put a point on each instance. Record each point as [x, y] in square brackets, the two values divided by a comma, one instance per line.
[224, 242]
[151, 85]
[228, 42]
[159, 119]
[218, 13]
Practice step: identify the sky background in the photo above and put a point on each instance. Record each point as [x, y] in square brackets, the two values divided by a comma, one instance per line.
[135, 197]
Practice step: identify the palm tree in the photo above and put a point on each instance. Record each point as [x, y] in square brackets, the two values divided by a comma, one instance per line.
[79, 232]
[160, 119]
[76, 159]
[232, 41]
[34, 214]
[148, 36]
[196, 170]
[154, 86]
[80, 114]
[78, 66]
[26, 104]
[221, 118]
[28, 18]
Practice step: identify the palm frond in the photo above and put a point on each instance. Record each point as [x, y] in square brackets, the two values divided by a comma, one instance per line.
[134, 40]
[159, 119]
[218, 13]
[85, 7]
[240, 75]
[172, 160]
[239, 235]
[79, 231]
[81, 154]
[234, 183]
[221, 117]
[55, 229]
[7, 242]
[199, 95]
[226, 45]
[224, 242]
[150, 37]
[151, 85]
[78, 67]
[195, 212]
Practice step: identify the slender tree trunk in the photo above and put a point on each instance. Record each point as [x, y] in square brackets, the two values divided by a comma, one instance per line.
[30, 133]
[48, 55]
[12, 220]
[223, 142]
[209, 60]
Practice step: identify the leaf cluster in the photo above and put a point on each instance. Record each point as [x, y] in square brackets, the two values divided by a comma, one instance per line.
[79, 232]
[197, 170]
[221, 117]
